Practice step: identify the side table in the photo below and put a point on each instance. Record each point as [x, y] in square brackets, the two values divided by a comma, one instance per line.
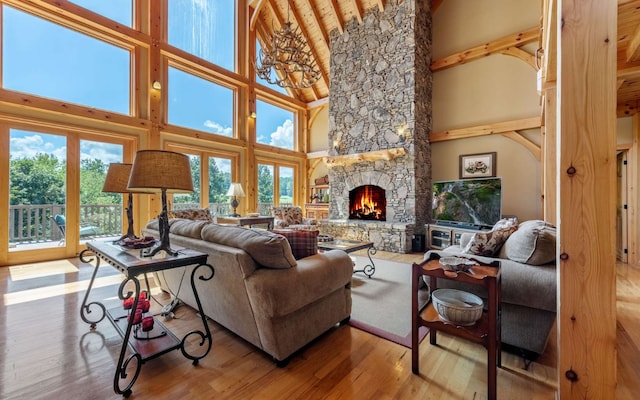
[246, 221]
[486, 331]
[160, 339]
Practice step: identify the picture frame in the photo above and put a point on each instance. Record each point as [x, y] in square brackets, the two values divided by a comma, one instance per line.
[480, 165]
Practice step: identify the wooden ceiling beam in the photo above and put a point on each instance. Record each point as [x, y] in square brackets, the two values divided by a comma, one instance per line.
[522, 55]
[318, 20]
[307, 38]
[380, 5]
[633, 49]
[484, 50]
[483, 130]
[357, 10]
[256, 12]
[335, 10]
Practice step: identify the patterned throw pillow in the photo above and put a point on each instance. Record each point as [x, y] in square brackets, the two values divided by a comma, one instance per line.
[196, 214]
[488, 243]
[303, 243]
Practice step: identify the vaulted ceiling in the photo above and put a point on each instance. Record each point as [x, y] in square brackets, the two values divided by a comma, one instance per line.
[317, 18]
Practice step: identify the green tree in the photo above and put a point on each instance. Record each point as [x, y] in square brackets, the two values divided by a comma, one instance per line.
[37, 180]
[219, 183]
[92, 175]
[265, 183]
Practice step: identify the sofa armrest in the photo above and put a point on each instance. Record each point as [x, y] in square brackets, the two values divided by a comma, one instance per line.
[279, 223]
[280, 292]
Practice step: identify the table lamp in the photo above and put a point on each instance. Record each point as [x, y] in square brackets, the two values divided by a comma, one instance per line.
[235, 191]
[116, 182]
[161, 171]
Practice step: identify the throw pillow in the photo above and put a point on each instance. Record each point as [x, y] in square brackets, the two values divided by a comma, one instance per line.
[533, 243]
[488, 243]
[198, 214]
[266, 248]
[505, 223]
[304, 243]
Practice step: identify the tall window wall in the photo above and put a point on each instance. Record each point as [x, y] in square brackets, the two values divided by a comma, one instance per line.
[109, 69]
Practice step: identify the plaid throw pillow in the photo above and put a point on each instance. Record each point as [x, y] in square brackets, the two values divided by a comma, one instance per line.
[488, 243]
[303, 243]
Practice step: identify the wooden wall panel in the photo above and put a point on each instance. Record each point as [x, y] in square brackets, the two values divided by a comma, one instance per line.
[586, 218]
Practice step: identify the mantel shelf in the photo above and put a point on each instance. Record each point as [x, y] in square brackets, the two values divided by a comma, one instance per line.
[348, 159]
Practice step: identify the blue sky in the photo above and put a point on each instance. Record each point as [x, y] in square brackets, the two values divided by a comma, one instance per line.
[51, 61]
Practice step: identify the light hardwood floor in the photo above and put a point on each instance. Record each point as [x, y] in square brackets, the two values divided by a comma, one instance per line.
[49, 353]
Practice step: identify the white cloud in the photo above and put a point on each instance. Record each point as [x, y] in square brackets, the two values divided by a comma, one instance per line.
[283, 136]
[219, 129]
[106, 152]
[29, 146]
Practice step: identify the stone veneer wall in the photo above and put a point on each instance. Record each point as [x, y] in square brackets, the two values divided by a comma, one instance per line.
[380, 99]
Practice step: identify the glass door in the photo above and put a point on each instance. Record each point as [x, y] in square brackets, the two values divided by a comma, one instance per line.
[37, 190]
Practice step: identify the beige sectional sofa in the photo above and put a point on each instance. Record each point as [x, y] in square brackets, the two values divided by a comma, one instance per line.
[259, 290]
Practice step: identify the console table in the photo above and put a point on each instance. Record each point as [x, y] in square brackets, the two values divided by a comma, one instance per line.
[160, 340]
[486, 331]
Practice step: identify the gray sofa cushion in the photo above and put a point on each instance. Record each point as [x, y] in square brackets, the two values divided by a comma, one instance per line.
[266, 248]
[533, 243]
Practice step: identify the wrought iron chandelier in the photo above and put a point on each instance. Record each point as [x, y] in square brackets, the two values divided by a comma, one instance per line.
[285, 62]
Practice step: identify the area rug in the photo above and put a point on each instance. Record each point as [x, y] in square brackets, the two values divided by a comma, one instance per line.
[381, 305]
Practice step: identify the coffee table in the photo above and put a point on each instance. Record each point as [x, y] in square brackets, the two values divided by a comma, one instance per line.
[349, 246]
[249, 221]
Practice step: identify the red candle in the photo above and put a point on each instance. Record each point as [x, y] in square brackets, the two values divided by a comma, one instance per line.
[147, 324]
[136, 317]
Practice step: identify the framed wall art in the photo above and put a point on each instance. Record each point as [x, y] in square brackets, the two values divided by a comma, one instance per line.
[482, 165]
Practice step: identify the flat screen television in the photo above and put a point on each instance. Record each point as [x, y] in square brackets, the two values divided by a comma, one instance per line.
[475, 203]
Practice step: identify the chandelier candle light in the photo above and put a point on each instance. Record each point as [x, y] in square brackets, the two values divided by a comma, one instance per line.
[286, 61]
[161, 171]
[116, 182]
[235, 191]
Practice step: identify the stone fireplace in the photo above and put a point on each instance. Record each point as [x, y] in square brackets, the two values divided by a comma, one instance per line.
[367, 203]
[379, 122]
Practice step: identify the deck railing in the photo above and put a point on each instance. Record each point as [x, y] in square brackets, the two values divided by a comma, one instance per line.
[34, 223]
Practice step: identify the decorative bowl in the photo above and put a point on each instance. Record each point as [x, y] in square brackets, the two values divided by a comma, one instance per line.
[456, 306]
[457, 263]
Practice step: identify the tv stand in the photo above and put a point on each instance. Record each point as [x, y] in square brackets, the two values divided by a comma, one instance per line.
[447, 234]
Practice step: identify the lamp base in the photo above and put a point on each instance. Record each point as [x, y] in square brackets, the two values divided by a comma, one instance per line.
[163, 227]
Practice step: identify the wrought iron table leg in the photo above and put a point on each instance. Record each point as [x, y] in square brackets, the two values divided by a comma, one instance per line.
[85, 308]
[121, 368]
[370, 268]
[204, 336]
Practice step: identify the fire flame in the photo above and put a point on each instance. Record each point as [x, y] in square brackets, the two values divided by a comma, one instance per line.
[365, 204]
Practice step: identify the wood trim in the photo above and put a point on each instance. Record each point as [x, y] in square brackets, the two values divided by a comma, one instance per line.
[493, 47]
[526, 143]
[483, 130]
[357, 10]
[336, 15]
[522, 55]
[633, 49]
[587, 193]
[256, 13]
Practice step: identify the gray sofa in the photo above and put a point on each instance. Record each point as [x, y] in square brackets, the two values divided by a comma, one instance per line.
[528, 291]
[260, 291]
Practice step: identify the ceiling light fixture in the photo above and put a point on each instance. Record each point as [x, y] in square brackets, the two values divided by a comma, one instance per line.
[284, 61]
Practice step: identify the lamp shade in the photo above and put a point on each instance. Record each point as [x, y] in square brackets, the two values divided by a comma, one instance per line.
[235, 190]
[117, 178]
[155, 170]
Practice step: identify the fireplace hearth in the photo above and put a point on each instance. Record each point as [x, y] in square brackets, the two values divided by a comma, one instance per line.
[367, 202]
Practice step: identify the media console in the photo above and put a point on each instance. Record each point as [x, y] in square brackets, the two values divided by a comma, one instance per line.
[442, 235]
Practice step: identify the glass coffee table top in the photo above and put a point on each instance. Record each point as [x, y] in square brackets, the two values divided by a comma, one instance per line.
[349, 246]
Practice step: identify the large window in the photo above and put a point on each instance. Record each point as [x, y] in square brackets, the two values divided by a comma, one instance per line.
[117, 10]
[219, 179]
[48, 60]
[190, 200]
[271, 176]
[204, 28]
[274, 125]
[199, 104]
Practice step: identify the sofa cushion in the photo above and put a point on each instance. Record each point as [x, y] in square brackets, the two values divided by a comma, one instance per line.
[187, 227]
[203, 214]
[304, 243]
[533, 243]
[266, 248]
[488, 243]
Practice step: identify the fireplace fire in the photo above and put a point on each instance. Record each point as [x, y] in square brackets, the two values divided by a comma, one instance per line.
[368, 202]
